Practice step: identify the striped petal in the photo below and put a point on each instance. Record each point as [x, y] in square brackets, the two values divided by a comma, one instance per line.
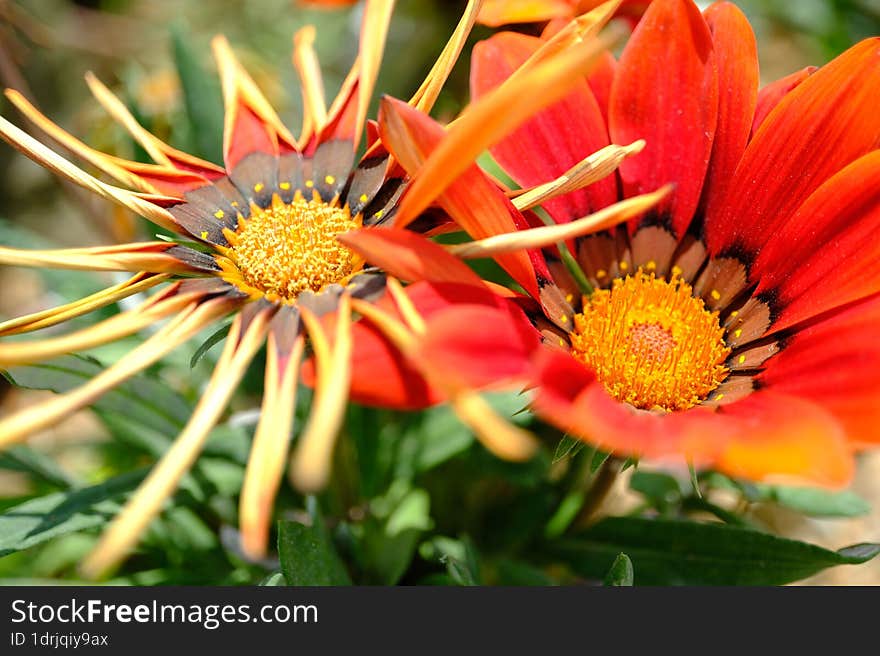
[665, 92]
[826, 255]
[312, 458]
[834, 362]
[818, 128]
[736, 56]
[770, 95]
[553, 140]
[46, 157]
[251, 124]
[409, 256]
[268, 456]
[152, 257]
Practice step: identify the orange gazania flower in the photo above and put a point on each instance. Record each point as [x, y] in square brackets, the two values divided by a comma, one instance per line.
[733, 323]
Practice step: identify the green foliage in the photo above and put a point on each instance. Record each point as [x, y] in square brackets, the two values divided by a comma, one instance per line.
[621, 572]
[308, 556]
[676, 552]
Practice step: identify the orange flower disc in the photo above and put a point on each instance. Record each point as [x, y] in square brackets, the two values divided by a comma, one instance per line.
[652, 343]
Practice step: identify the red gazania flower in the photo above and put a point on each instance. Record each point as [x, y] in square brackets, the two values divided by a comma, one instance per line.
[260, 238]
[733, 323]
[495, 13]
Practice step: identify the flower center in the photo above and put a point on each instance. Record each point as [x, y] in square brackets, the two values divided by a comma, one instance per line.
[288, 248]
[651, 342]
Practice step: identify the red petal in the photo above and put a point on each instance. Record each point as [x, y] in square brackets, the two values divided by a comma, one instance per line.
[600, 80]
[828, 121]
[826, 255]
[736, 55]
[835, 363]
[570, 397]
[382, 376]
[666, 93]
[555, 139]
[781, 437]
[409, 256]
[478, 346]
[170, 182]
[773, 93]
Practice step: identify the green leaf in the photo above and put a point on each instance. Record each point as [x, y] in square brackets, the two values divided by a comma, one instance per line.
[308, 557]
[674, 552]
[40, 519]
[274, 579]
[814, 502]
[201, 96]
[24, 459]
[215, 338]
[392, 532]
[817, 503]
[568, 447]
[661, 490]
[621, 572]
[141, 399]
[515, 572]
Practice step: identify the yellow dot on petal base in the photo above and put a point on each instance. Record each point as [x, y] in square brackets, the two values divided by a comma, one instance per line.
[651, 343]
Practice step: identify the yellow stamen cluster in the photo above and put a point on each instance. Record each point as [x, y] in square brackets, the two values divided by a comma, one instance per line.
[289, 248]
[651, 342]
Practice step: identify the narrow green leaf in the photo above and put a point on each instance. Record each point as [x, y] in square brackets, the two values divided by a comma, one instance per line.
[817, 503]
[40, 519]
[621, 572]
[24, 459]
[568, 447]
[201, 97]
[140, 399]
[814, 502]
[674, 552]
[206, 346]
[308, 557]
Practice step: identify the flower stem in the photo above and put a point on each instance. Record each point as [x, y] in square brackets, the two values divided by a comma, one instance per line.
[603, 481]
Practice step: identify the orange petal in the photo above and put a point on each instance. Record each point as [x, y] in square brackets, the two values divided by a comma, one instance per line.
[473, 201]
[306, 63]
[312, 458]
[495, 13]
[57, 164]
[408, 256]
[53, 316]
[553, 140]
[16, 427]
[491, 118]
[787, 439]
[161, 152]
